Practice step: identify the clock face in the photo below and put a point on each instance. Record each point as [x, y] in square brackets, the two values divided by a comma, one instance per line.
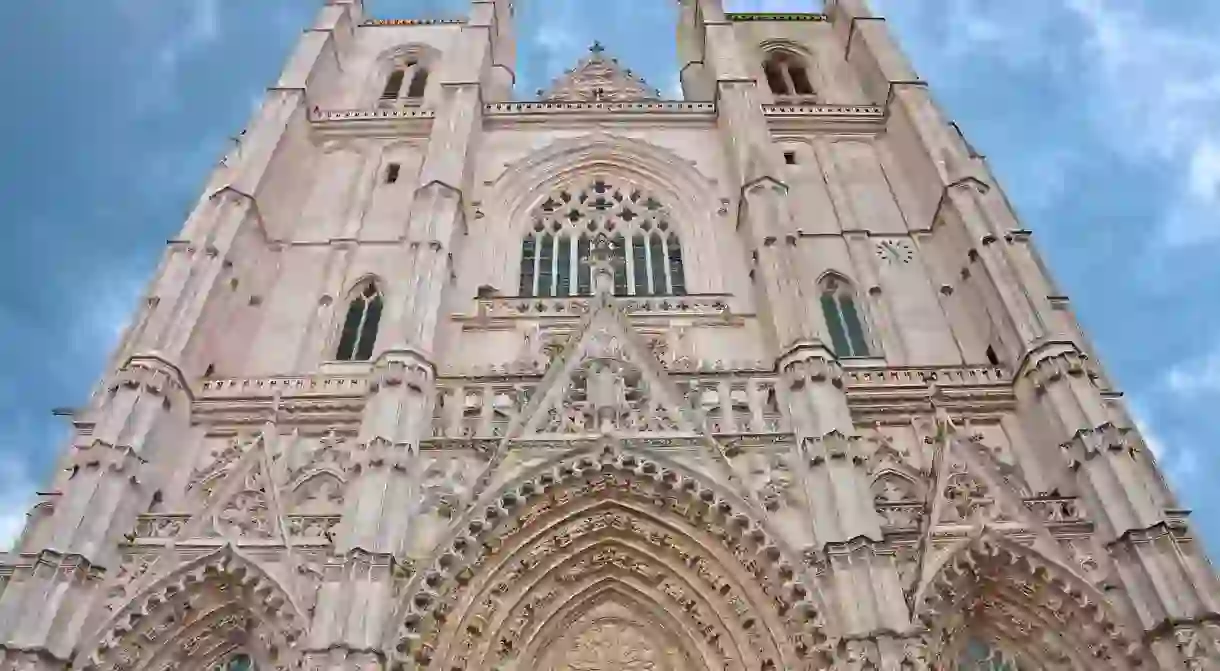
[895, 251]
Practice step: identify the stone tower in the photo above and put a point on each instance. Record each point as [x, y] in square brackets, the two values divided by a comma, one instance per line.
[767, 379]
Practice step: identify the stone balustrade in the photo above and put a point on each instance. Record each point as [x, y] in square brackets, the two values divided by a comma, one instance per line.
[735, 396]
[577, 306]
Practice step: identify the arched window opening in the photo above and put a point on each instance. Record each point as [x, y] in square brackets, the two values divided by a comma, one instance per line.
[393, 85]
[843, 321]
[647, 252]
[408, 79]
[787, 75]
[236, 662]
[419, 83]
[360, 325]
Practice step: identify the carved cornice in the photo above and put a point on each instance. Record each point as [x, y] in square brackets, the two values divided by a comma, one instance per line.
[801, 117]
[776, 16]
[412, 22]
[661, 112]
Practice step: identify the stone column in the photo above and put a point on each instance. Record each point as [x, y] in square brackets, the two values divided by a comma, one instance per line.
[863, 582]
[383, 492]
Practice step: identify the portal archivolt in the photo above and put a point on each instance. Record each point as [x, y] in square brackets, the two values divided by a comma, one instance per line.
[615, 558]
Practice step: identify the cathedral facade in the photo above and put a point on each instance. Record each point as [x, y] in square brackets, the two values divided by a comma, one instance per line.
[769, 378]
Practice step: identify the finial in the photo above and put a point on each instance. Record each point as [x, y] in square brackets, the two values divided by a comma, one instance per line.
[596, 47]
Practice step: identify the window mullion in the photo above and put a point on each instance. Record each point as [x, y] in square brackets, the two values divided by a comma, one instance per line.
[555, 265]
[407, 75]
[573, 265]
[629, 253]
[669, 280]
[653, 281]
[789, 83]
[364, 315]
[537, 282]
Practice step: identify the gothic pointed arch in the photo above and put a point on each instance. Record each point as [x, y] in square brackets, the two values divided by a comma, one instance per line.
[197, 615]
[788, 72]
[640, 229]
[571, 163]
[991, 595]
[610, 534]
[361, 321]
[843, 312]
[401, 73]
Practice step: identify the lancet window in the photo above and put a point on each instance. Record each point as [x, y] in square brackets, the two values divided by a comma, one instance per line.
[408, 79]
[787, 75]
[359, 331]
[646, 249]
[843, 320]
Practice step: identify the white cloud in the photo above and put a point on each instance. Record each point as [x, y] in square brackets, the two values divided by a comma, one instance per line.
[1158, 93]
[16, 498]
[174, 38]
[1179, 461]
[201, 29]
[1192, 378]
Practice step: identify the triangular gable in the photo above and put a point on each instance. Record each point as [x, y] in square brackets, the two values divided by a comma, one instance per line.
[599, 78]
[969, 486]
[606, 380]
[245, 504]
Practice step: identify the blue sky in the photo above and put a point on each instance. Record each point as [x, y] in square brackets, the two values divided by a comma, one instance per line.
[1101, 117]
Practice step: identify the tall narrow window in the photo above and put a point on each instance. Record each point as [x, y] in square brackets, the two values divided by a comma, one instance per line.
[775, 78]
[419, 82]
[677, 276]
[846, 329]
[639, 263]
[546, 266]
[391, 173]
[528, 258]
[657, 259]
[647, 256]
[620, 268]
[393, 84]
[787, 76]
[584, 273]
[360, 325]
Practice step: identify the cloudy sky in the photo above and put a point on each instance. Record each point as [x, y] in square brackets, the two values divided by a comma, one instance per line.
[1102, 118]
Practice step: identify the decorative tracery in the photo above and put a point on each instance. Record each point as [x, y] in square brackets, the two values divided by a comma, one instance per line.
[646, 249]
